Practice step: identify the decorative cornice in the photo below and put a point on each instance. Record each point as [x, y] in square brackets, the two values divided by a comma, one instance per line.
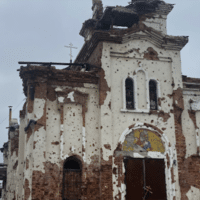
[35, 74]
[137, 32]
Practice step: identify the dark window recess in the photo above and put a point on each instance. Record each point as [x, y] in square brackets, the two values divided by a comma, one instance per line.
[32, 92]
[153, 95]
[72, 179]
[129, 93]
[145, 179]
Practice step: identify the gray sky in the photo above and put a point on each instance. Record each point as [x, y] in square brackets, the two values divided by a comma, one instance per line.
[37, 30]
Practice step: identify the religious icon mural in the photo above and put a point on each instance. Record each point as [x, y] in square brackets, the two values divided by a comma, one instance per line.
[143, 140]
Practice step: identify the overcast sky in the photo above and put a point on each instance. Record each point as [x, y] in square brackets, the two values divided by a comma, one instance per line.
[38, 30]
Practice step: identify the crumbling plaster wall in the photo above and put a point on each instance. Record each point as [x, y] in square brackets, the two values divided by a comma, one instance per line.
[73, 126]
[120, 61]
[157, 22]
[190, 123]
[65, 127]
[190, 159]
[21, 163]
[12, 175]
[5, 159]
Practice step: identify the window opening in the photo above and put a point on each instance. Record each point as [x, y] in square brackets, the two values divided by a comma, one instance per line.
[145, 179]
[32, 92]
[72, 179]
[129, 93]
[153, 95]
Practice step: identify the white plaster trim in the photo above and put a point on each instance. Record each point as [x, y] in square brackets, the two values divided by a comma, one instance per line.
[147, 90]
[123, 191]
[61, 99]
[61, 146]
[154, 154]
[83, 143]
[123, 135]
[71, 96]
[73, 149]
[65, 157]
[134, 78]
[137, 155]
[59, 89]
[195, 105]
[135, 90]
[193, 193]
[190, 91]
[61, 127]
[124, 93]
[135, 111]
[171, 151]
[121, 55]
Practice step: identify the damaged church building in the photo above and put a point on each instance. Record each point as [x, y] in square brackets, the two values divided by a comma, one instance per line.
[121, 122]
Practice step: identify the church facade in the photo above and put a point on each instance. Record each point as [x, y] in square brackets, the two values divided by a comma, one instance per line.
[121, 122]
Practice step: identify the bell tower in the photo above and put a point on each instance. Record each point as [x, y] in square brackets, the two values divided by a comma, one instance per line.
[97, 8]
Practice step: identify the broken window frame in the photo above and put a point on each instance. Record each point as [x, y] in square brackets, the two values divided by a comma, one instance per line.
[153, 102]
[68, 170]
[131, 95]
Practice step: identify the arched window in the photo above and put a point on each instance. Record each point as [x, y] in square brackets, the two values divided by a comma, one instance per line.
[72, 179]
[153, 95]
[129, 85]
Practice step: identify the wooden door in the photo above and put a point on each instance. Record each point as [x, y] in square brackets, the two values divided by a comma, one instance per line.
[72, 184]
[142, 174]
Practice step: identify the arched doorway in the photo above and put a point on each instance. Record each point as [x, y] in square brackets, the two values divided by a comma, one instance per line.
[72, 179]
[145, 176]
[144, 158]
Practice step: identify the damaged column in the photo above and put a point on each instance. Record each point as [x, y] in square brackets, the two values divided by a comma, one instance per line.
[35, 140]
[106, 126]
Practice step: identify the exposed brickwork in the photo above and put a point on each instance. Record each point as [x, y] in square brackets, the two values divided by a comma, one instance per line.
[27, 190]
[188, 168]
[51, 94]
[106, 186]
[90, 184]
[42, 121]
[14, 142]
[15, 165]
[28, 133]
[154, 127]
[192, 115]
[151, 54]
[30, 104]
[27, 163]
[107, 146]
[47, 185]
[103, 87]
[118, 172]
[161, 114]
[23, 111]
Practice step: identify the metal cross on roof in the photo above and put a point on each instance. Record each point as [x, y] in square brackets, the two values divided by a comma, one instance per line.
[71, 47]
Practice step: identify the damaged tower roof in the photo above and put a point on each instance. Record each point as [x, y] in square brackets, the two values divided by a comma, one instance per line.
[125, 16]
